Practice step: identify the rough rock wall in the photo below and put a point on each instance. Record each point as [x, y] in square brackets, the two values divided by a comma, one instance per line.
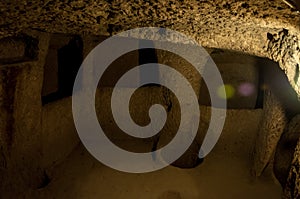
[284, 48]
[240, 25]
[286, 149]
[271, 128]
[292, 189]
[20, 105]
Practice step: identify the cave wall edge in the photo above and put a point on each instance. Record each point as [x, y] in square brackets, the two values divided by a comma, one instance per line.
[21, 115]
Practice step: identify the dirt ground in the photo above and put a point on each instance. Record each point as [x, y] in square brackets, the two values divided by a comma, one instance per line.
[225, 172]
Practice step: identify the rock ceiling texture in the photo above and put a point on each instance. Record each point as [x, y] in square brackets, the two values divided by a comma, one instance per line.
[263, 28]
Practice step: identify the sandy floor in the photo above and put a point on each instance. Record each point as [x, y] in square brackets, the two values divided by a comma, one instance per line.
[225, 173]
[81, 176]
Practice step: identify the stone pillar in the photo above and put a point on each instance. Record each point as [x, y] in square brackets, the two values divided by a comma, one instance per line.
[21, 77]
[271, 128]
[292, 188]
[285, 150]
[190, 158]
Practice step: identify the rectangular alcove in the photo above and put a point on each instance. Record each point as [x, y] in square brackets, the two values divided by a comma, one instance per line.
[65, 55]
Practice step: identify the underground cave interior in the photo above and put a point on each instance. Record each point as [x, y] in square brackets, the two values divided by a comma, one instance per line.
[62, 166]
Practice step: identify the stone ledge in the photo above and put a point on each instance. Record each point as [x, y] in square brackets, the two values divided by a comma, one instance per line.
[18, 49]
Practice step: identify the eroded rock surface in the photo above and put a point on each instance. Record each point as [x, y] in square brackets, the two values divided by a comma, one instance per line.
[239, 25]
[285, 150]
[292, 189]
[271, 128]
[284, 49]
[20, 122]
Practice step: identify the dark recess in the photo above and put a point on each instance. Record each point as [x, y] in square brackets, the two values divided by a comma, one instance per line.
[8, 54]
[69, 59]
[147, 56]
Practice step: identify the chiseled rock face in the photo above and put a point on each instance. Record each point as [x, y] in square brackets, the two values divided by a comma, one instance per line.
[292, 189]
[20, 122]
[284, 49]
[280, 105]
[246, 26]
[237, 25]
[271, 128]
[285, 150]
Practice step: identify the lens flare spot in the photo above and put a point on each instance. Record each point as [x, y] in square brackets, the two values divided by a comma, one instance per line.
[246, 89]
[264, 87]
[226, 91]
